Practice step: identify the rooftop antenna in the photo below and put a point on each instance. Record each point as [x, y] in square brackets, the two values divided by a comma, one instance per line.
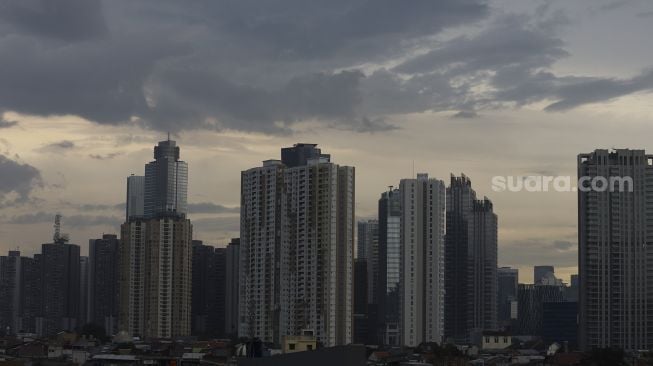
[413, 169]
[168, 136]
[58, 237]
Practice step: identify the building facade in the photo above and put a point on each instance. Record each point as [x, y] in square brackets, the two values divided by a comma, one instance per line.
[507, 295]
[471, 263]
[297, 248]
[389, 306]
[166, 182]
[103, 290]
[422, 228]
[231, 287]
[61, 287]
[615, 255]
[156, 253]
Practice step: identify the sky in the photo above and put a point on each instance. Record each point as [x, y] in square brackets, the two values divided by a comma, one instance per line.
[393, 87]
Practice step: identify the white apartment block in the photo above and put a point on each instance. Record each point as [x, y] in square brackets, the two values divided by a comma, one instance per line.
[422, 260]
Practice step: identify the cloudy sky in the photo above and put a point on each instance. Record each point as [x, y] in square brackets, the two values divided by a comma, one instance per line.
[481, 87]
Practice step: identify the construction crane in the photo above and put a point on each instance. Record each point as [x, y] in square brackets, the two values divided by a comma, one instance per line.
[58, 237]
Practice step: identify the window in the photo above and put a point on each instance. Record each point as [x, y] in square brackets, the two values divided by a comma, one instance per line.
[309, 347]
[291, 346]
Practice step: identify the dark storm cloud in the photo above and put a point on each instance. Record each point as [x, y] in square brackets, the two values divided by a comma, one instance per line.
[64, 19]
[19, 179]
[535, 251]
[265, 66]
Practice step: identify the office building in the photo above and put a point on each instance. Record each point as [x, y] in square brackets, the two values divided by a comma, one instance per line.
[615, 255]
[389, 306]
[541, 272]
[531, 299]
[135, 203]
[103, 276]
[231, 287]
[471, 263]
[368, 246]
[560, 323]
[361, 320]
[208, 289]
[61, 286]
[9, 291]
[422, 264]
[297, 248]
[507, 296]
[83, 291]
[166, 183]
[156, 253]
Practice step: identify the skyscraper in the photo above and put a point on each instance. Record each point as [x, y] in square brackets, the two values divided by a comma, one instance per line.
[166, 183]
[615, 255]
[507, 295]
[389, 308]
[471, 263]
[61, 286]
[540, 272]
[135, 203]
[83, 291]
[20, 290]
[208, 301]
[156, 253]
[422, 260]
[9, 292]
[231, 287]
[104, 259]
[368, 243]
[297, 248]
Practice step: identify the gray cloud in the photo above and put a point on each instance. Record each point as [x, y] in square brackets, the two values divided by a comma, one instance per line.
[19, 179]
[208, 207]
[63, 19]
[252, 66]
[217, 224]
[465, 114]
[104, 157]
[65, 144]
[74, 221]
[536, 251]
[7, 124]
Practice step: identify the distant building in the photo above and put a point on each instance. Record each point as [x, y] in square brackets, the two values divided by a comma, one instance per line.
[389, 306]
[156, 253]
[300, 343]
[540, 272]
[104, 261]
[471, 263]
[231, 290]
[155, 278]
[368, 246]
[83, 291]
[422, 260]
[361, 320]
[297, 243]
[615, 255]
[10, 292]
[208, 300]
[135, 203]
[61, 287]
[493, 340]
[507, 295]
[531, 299]
[166, 183]
[560, 323]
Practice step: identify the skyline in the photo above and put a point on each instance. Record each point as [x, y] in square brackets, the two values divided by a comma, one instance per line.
[58, 160]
